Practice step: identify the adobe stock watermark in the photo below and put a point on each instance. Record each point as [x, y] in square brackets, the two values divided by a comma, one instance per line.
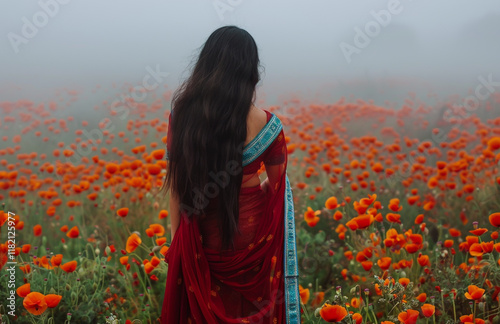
[120, 106]
[11, 264]
[223, 6]
[363, 37]
[30, 28]
[486, 87]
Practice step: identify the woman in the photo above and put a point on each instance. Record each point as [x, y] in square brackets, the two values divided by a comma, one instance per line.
[232, 258]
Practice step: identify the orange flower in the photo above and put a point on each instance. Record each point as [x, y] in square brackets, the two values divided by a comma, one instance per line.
[24, 290]
[495, 219]
[474, 292]
[367, 265]
[37, 230]
[404, 281]
[311, 217]
[377, 167]
[301, 185]
[360, 222]
[52, 300]
[56, 260]
[356, 302]
[432, 183]
[384, 263]
[26, 248]
[408, 317]
[148, 267]
[122, 212]
[366, 202]
[412, 248]
[112, 167]
[164, 250]
[73, 232]
[133, 242]
[476, 250]
[43, 262]
[157, 229]
[155, 261]
[479, 231]
[393, 218]
[332, 313]
[69, 266]
[158, 154]
[92, 196]
[25, 269]
[428, 310]
[154, 169]
[35, 303]
[494, 143]
[338, 215]
[304, 295]
[487, 246]
[466, 319]
[422, 297]
[357, 317]
[394, 205]
[161, 240]
[124, 260]
[163, 214]
[331, 203]
[3, 217]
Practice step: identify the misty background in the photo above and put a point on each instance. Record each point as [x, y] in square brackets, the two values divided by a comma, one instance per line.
[440, 46]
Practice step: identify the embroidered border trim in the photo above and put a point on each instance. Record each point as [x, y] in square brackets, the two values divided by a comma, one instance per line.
[261, 142]
[291, 261]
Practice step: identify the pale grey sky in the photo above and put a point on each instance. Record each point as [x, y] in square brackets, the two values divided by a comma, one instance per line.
[85, 43]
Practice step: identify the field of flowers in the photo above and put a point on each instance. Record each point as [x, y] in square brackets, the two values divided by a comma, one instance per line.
[397, 209]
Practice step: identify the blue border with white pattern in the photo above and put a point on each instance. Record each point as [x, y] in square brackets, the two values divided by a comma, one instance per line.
[290, 261]
[261, 142]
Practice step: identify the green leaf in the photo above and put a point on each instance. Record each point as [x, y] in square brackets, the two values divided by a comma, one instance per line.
[320, 237]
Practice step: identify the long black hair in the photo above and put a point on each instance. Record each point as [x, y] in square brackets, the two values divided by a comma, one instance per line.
[209, 127]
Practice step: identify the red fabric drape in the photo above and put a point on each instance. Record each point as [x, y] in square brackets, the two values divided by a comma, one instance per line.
[206, 285]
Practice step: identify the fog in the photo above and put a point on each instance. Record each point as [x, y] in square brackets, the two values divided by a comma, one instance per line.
[318, 50]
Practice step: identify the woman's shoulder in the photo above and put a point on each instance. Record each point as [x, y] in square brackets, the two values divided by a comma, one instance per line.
[261, 115]
[257, 119]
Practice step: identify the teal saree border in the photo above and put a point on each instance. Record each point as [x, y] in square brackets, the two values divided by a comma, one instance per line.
[261, 142]
[290, 261]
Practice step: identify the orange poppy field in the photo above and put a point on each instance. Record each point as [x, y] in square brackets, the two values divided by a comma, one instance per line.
[397, 208]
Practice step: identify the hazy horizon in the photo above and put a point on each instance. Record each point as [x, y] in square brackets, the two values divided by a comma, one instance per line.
[302, 46]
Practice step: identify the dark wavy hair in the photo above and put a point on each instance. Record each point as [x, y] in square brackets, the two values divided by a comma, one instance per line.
[209, 129]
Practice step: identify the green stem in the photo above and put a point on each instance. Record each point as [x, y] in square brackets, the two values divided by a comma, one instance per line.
[442, 301]
[454, 310]
[306, 313]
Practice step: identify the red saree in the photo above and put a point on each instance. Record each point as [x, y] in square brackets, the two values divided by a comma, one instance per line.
[206, 285]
